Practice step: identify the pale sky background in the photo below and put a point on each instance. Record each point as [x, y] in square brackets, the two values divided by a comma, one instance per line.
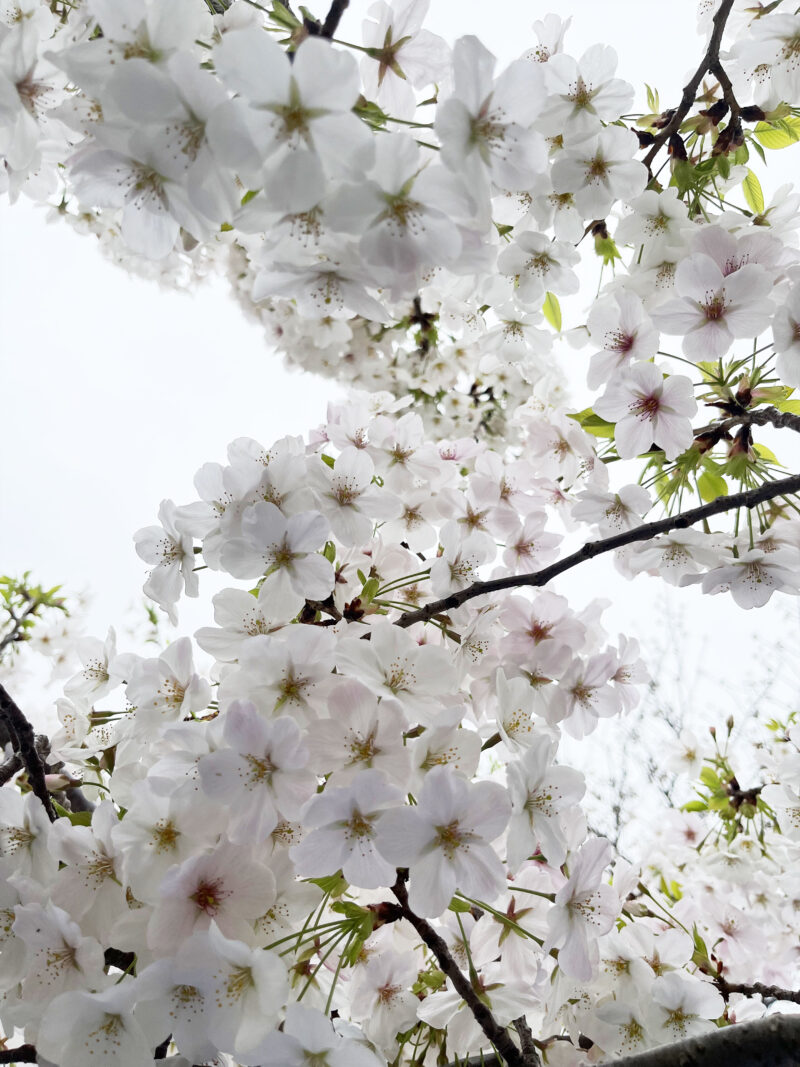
[114, 392]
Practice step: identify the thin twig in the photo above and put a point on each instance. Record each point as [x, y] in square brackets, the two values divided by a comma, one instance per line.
[749, 499]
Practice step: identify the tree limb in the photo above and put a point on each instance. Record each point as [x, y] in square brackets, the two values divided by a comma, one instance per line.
[331, 24]
[757, 417]
[24, 741]
[748, 499]
[770, 1042]
[710, 59]
[751, 989]
[498, 1035]
[20, 1054]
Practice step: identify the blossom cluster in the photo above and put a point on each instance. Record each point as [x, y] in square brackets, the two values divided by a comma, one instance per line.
[364, 748]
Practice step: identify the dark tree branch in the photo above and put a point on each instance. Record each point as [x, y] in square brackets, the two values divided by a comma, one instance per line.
[331, 24]
[710, 59]
[498, 1035]
[527, 1042]
[749, 499]
[757, 417]
[751, 989]
[770, 1042]
[20, 1054]
[24, 742]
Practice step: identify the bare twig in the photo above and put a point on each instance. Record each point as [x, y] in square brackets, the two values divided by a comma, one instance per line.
[24, 742]
[749, 499]
[498, 1035]
[710, 59]
[331, 24]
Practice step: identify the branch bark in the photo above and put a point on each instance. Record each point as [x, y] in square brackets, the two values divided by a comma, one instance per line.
[709, 60]
[770, 1042]
[498, 1035]
[20, 1054]
[24, 742]
[748, 499]
[751, 989]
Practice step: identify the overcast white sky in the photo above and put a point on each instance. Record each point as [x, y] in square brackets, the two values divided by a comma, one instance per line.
[114, 392]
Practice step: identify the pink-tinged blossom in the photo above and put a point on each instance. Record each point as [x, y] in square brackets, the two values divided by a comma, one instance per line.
[244, 988]
[308, 1037]
[683, 1005]
[225, 885]
[172, 554]
[600, 171]
[285, 550]
[485, 127]
[167, 688]
[537, 266]
[583, 94]
[625, 332]
[58, 957]
[445, 840]
[649, 409]
[713, 309]
[345, 824]
[348, 499]
[542, 798]
[395, 667]
[786, 335]
[261, 777]
[584, 909]
[405, 56]
[361, 733]
[613, 512]
[583, 695]
[285, 107]
[752, 577]
[97, 1028]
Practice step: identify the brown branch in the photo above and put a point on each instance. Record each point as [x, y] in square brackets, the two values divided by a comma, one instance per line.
[749, 499]
[24, 741]
[781, 420]
[331, 24]
[751, 989]
[20, 1054]
[690, 90]
[498, 1035]
[769, 1042]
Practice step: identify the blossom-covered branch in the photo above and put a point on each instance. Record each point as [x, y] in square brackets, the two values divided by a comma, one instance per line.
[748, 499]
[497, 1035]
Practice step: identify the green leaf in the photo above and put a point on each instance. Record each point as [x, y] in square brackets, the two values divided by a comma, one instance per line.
[792, 406]
[328, 459]
[283, 16]
[248, 196]
[711, 485]
[593, 424]
[456, 904]
[778, 134]
[766, 453]
[334, 884]
[695, 805]
[552, 311]
[753, 193]
[724, 167]
[329, 551]
[710, 779]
